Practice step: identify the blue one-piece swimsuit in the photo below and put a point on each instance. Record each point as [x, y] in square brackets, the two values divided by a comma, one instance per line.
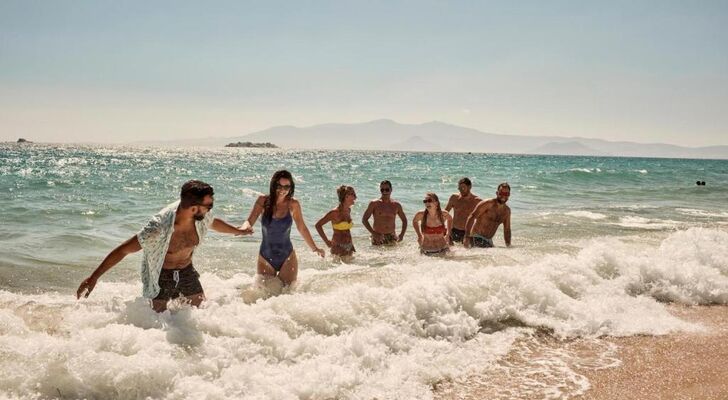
[276, 246]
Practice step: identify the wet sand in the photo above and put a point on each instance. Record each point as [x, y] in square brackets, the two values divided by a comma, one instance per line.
[676, 366]
[679, 366]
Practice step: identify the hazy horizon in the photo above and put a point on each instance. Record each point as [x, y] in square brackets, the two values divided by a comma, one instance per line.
[242, 135]
[109, 72]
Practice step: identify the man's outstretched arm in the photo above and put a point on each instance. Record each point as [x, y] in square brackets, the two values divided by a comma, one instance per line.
[132, 245]
[221, 226]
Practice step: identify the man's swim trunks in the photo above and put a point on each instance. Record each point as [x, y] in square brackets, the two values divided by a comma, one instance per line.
[457, 235]
[481, 241]
[435, 252]
[387, 239]
[174, 283]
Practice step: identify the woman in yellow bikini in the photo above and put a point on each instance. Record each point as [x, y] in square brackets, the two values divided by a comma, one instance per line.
[340, 217]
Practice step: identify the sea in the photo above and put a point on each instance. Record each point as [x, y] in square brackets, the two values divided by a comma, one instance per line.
[601, 246]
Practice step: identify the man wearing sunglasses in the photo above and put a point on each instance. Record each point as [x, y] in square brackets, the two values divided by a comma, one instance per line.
[385, 211]
[169, 239]
[483, 222]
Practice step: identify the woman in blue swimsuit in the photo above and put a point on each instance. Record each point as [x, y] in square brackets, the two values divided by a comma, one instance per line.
[280, 210]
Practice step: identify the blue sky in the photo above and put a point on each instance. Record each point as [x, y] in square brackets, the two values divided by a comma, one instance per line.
[123, 71]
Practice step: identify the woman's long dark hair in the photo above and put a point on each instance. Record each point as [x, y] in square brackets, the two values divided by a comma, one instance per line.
[270, 202]
[439, 211]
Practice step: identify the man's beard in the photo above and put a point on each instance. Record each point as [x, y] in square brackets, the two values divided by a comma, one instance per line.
[199, 217]
[501, 201]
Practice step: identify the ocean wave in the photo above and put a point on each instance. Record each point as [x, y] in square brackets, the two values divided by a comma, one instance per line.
[586, 214]
[355, 332]
[647, 223]
[586, 170]
[702, 213]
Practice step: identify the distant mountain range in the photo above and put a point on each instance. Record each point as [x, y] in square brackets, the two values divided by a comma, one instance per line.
[385, 134]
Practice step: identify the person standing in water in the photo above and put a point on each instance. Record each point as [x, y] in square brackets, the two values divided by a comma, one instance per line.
[280, 209]
[432, 226]
[341, 244]
[169, 240]
[483, 222]
[385, 210]
[462, 204]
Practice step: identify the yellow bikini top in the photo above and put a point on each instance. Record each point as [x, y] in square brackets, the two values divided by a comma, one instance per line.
[343, 225]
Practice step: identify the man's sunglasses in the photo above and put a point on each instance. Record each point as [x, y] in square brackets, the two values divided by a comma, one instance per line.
[504, 194]
[385, 190]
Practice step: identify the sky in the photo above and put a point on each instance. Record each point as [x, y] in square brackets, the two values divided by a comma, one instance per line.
[121, 71]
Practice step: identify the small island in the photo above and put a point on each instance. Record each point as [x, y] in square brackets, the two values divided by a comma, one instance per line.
[21, 140]
[251, 144]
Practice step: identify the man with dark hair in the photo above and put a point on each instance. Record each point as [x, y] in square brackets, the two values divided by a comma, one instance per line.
[385, 211]
[462, 205]
[483, 222]
[169, 239]
[194, 192]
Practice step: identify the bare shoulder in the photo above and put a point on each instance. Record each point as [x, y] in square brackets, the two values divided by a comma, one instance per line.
[419, 215]
[334, 213]
[293, 203]
[485, 204]
[261, 200]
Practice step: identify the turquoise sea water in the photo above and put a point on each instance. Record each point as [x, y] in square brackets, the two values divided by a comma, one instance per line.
[600, 243]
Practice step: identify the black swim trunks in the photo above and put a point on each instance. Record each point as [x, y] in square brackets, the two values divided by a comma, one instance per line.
[481, 241]
[388, 239]
[457, 235]
[174, 283]
[443, 250]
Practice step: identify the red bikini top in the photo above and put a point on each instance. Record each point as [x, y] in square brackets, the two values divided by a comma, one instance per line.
[434, 230]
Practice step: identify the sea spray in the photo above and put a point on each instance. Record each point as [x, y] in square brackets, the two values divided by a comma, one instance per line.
[391, 331]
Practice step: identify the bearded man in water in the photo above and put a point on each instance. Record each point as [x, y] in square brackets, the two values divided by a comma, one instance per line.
[483, 222]
[169, 239]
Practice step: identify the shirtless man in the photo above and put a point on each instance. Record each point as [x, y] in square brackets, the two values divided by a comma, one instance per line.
[169, 239]
[484, 220]
[385, 210]
[463, 204]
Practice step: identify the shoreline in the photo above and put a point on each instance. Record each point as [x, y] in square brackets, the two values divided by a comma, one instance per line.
[680, 365]
[675, 366]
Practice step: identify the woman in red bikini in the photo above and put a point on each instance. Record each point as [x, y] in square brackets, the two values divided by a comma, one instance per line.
[432, 226]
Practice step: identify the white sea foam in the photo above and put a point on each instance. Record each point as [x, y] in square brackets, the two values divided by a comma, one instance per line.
[647, 223]
[352, 332]
[702, 213]
[586, 214]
